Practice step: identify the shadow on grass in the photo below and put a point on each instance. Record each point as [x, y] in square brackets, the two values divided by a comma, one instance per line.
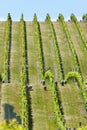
[9, 113]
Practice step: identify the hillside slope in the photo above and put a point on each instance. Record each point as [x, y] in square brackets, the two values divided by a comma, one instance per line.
[41, 107]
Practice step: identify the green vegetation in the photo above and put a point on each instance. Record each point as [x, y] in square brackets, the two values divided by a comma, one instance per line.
[73, 18]
[57, 113]
[43, 77]
[82, 128]
[78, 45]
[58, 56]
[75, 58]
[39, 42]
[78, 77]
[41, 108]
[6, 76]
[12, 125]
[71, 100]
[23, 80]
[84, 17]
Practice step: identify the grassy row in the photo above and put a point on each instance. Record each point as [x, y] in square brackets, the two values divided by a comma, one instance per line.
[39, 43]
[75, 58]
[6, 75]
[58, 56]
[73, 18]
[23, 80]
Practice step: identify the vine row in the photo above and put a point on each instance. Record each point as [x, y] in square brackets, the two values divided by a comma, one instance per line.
[73, 18]
[59, 119]
[6, 75]
[38, 40]
[58, 56]
[23, 80]
[75, 58]
[81, 84]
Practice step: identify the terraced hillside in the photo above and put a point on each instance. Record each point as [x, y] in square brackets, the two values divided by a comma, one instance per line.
[43, 73]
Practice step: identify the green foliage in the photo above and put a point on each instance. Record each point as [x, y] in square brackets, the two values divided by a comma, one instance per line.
[78, 77]
[22, 18]
[58, 56]
[84, 17]
[9, 17]
[7, 46]
[75, 58]
[73, 18]
[82, 128]
[23, 81]
[39, 44]
[0, 77]
[60, 17]
[35, 18]
[12, 125]
[47, 17]
[57, 113]
[49, 76]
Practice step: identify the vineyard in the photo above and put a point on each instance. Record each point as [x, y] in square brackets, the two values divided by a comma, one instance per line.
[43, 74]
